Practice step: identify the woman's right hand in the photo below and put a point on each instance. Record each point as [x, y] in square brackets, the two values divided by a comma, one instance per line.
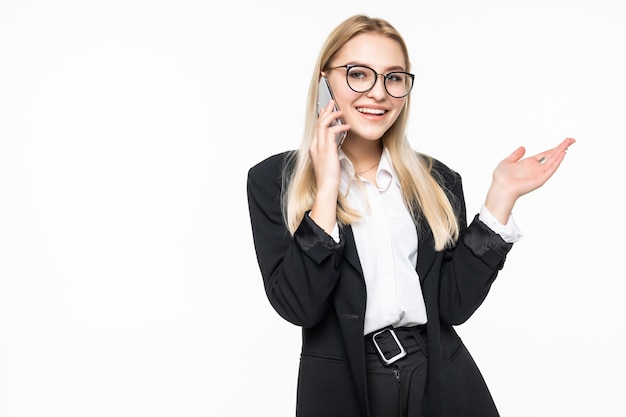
[325, 159]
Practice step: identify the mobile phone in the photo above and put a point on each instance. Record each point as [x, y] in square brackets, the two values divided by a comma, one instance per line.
[324, 95]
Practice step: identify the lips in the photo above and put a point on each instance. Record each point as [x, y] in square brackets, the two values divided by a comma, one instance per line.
[367, 110]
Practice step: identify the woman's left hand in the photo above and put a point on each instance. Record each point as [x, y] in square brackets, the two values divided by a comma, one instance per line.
[514, 177]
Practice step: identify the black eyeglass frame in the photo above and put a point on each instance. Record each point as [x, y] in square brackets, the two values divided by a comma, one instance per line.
[348, 67]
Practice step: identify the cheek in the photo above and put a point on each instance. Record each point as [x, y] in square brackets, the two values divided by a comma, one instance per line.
[344, 99]
[397, 110]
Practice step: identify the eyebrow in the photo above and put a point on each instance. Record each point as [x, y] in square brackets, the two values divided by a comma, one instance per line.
[387, 69]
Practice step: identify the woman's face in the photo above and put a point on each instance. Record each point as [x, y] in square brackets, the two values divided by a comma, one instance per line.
[371, 113]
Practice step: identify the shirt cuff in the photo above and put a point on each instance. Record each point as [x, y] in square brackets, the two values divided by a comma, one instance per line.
[509, 232]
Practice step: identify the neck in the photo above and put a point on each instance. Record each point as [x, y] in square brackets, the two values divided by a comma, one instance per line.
[363, 154]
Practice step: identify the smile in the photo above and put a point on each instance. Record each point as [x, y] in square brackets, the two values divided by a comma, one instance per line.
[370, 111]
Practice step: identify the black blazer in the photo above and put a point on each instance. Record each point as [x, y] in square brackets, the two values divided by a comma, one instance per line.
[317, 284]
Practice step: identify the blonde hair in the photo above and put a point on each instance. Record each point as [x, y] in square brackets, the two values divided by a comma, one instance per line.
[423, 195]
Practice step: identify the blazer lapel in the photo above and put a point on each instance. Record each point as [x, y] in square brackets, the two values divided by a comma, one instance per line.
[350, 253]
[426, 251]
[350, 301]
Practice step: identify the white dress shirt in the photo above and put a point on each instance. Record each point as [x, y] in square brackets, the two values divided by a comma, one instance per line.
[386, 241]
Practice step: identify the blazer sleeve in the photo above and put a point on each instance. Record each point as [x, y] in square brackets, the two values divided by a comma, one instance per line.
[472, 265]
[299, 271]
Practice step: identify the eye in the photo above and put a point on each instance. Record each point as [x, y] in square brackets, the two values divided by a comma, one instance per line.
[396, 77]
[357, 73]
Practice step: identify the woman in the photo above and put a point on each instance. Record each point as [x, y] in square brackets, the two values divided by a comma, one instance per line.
[367, 248]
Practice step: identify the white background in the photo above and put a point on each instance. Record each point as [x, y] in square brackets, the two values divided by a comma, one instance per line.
[128, 279]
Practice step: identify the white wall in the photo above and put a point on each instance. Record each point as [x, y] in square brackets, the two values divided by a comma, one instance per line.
[128, 280]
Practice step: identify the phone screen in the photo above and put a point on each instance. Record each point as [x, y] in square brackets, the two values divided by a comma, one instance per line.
[324, 96]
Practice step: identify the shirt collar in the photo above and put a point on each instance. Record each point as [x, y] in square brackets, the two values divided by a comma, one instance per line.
[385, 173]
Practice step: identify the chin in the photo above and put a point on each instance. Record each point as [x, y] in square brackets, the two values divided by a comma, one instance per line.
[372, 134]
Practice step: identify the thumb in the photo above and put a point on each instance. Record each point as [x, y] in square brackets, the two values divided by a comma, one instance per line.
[516, 155]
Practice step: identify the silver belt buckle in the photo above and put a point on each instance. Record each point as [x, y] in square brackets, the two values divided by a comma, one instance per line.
[389, 361]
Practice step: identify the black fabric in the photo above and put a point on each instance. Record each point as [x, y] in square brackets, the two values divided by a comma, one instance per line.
[397, 390]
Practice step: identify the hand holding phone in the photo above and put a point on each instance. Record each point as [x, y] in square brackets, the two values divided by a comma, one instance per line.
[324, 95]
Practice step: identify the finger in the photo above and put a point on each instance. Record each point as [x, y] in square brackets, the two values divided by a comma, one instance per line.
[555, 154]
[330, 106]
[328, 114]
[568, 141]
[562, 147]
[516, 155]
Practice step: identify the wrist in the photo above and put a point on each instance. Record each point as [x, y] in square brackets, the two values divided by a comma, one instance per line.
[500, 203]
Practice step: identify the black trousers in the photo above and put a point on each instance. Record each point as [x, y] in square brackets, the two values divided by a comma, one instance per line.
[397, 389]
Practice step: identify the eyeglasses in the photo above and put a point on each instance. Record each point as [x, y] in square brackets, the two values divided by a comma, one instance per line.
[360, 79]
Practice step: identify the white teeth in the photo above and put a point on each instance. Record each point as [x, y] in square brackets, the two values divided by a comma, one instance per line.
[370, 111]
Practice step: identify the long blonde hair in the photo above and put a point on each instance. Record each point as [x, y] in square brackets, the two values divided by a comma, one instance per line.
[422, 193]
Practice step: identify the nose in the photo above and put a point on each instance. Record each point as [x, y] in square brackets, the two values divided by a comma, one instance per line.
[378, 91]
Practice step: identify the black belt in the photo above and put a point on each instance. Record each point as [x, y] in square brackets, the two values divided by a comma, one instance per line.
[392, 344]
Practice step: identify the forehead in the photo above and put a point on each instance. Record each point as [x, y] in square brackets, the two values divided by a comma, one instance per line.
[371, 49]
